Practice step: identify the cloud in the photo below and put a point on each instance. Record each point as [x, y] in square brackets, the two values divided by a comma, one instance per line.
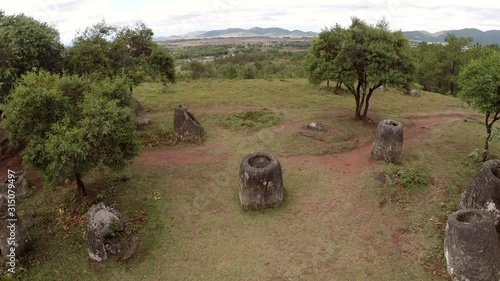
[174, 17]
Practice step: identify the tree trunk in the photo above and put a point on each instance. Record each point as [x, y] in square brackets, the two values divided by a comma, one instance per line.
[130, 87]
[358, 107]
[80, 187]
[489, 125]
[452, 85]
[367, 102]
[487, 141]
[328, 84]
[359, 101]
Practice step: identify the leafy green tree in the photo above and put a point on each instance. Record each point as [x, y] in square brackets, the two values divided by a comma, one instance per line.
[477, 51]
[364, 57]
[249, 71]
[438, 65]
[429, 61]
[454, 58]
[161, 65]
[26, 44]
[110, 51]
[228, 71]
[72, 125]
[479, 83]
[320, 60]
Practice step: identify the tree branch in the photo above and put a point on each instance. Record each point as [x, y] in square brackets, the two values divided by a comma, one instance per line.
[495, 118]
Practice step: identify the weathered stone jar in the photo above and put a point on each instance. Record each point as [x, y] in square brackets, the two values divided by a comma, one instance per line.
[20, 241]
[102, 221]
[388, 143]
[483, 191]
[471, 246]
[141, 117]
[186, 127]
[261, 182]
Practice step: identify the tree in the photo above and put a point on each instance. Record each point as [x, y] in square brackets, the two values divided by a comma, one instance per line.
[438, 65]
[454, 57]
[365, 57]
[110, 51]
[430, 64]
[26, 44]
[479, 83]
[72, 125]
[319, 62]
[162, 65]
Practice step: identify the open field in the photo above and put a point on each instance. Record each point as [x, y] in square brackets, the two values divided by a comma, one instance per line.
[337, 222]
[267, 42]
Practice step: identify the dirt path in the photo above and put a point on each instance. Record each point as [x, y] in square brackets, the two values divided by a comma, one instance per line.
[355, 161]
[348, 163]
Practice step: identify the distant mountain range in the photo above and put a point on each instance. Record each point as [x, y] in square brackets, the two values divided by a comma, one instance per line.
[254, 31]
[483, 37]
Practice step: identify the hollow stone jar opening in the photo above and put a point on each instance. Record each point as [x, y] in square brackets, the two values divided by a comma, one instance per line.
[390, 123]
[468, 217]
[259, 161]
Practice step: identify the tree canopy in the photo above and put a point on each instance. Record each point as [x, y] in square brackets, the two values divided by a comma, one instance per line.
[108, 51]
[479, 83]
[438, 65]
[26, 44]
[362, 57]
[72, 125]
[320, 60]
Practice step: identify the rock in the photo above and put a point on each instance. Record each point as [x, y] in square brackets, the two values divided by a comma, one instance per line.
[132, 249]
[102, 221]
[261, 182]
[412, 93]
[483, 191]
[13, 232]
[141, 118]
[388, 142]
[21, 184]
[186, 127]
[317, 127]
[471, 246]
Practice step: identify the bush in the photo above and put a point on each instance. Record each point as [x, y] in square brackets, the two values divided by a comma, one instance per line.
[228, 71]
[249, 72]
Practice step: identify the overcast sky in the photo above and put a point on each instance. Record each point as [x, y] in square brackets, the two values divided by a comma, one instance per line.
[176, 17]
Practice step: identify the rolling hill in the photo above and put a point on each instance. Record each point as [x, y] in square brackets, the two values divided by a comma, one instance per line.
[482, 37]
[255, 31]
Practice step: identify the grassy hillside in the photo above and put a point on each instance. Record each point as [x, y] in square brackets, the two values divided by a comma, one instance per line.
[337, 223]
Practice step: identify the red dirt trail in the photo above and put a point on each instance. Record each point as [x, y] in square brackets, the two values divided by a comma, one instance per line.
[348, 163]
[355, 161]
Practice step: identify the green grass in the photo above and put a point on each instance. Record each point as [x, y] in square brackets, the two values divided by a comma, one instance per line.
[401, 182]
[442, 156]
[251, 119]
[330, 227]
